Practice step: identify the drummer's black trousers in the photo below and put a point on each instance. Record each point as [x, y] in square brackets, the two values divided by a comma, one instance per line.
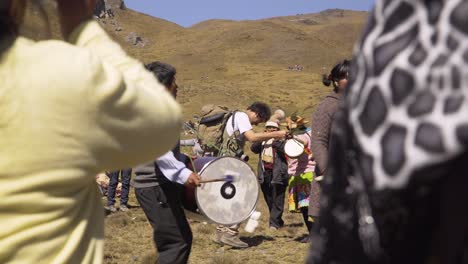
[274, 198]
[172, 234]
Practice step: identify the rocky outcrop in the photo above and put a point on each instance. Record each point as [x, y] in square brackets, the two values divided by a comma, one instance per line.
[106, 8]
[116, 4]
[137, 41]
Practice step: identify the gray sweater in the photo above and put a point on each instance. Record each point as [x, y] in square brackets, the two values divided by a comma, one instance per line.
[149, 174]
[322, 121]
[146, 175]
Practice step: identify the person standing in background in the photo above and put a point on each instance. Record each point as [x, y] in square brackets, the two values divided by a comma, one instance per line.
[322, 119]
[125, 176]
[301, 172]
[272, 174]
[322, 123]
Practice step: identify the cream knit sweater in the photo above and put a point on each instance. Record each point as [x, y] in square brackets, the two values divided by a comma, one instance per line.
[67, 112]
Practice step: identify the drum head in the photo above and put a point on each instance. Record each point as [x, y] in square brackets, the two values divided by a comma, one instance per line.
[227, 203]
[293, 148]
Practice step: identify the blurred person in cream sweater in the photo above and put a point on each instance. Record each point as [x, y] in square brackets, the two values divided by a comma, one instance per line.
[68, 110]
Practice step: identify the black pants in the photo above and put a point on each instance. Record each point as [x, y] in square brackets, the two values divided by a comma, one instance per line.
[274, 197]
[172, 234]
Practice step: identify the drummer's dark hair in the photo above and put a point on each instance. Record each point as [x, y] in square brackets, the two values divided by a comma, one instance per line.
[262, 110]
[164, 72]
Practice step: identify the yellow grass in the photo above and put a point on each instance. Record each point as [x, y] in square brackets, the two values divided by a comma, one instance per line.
[129, 240]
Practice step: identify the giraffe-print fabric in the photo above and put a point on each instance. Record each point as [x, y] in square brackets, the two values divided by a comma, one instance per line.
[397, 186]
[412, 73]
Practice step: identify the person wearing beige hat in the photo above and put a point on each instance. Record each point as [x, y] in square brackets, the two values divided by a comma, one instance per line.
[272, 174]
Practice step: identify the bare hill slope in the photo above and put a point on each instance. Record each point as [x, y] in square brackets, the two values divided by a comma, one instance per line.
[237, 62]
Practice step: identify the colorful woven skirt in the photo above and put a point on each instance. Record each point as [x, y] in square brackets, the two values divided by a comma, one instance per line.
[299, 191]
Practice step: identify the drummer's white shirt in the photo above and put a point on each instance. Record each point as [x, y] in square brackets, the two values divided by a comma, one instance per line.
[173, 169]
[241, 124]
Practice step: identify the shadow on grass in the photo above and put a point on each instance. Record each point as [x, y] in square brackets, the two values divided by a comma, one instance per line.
[303, 239]
[256, 240]
[107, 212]
[294, 225]
[131, 206]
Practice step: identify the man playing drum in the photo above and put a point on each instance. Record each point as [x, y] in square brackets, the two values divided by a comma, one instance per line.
[156, 189]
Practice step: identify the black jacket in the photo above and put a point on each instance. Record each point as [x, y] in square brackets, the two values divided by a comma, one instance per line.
[280, 167]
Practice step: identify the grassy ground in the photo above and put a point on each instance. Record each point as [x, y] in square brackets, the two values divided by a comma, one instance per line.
[129, 240]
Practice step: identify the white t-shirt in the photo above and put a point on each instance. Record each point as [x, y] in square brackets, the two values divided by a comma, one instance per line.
[241, 124]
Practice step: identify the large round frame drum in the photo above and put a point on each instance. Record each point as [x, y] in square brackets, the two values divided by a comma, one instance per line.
[226, 202]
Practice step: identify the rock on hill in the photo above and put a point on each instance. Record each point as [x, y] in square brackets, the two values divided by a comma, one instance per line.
[278, 60]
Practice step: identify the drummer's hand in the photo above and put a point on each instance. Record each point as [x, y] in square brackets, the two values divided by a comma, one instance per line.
[281, 134]
[72, 13]
[193, 180]
[289, 135]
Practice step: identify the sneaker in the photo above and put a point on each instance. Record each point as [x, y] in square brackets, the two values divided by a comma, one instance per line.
[217, 237]
[123, 208]
[233, 240]
[111, 208]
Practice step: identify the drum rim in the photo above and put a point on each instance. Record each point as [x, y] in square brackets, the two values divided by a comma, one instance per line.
[293, 139]
[256, 200]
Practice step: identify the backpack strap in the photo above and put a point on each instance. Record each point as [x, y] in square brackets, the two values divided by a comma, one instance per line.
[230, 143]
[233, 116]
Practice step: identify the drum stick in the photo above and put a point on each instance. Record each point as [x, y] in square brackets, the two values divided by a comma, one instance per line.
[193, 164]
[227, 178]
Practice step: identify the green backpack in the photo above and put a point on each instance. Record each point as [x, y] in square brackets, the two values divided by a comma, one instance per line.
[210, 130]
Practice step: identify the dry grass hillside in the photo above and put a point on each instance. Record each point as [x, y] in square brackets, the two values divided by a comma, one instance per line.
[237, 62]
[232, 63]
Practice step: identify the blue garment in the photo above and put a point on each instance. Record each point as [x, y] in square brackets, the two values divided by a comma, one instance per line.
[114, 181]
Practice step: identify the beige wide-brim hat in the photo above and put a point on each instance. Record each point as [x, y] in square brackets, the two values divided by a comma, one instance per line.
[271, 124]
